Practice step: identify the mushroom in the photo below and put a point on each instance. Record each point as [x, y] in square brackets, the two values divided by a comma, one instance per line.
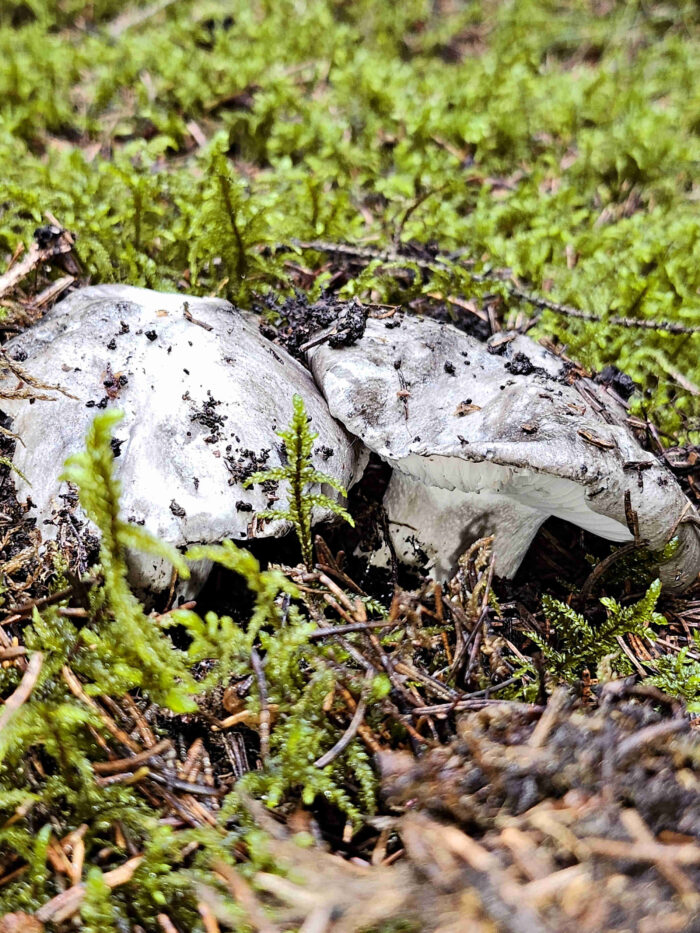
[491, 438]
[203, 394]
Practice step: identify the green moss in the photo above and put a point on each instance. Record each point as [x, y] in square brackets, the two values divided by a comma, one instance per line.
[299, 677]
[48, 747]
[679, 675]
[300, 474]
[126, 650]
[576, 644]
[539, 136]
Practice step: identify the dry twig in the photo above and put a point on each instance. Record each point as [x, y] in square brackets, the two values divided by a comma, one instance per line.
[23, 691]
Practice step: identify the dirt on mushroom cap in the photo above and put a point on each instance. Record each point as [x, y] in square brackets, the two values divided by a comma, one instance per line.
[203, 394]
[455, 413]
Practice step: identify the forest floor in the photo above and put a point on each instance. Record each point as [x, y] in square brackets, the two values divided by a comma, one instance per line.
[332, 748]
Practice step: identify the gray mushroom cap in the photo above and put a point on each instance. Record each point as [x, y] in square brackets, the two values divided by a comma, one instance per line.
[499, 426]
[203, 394]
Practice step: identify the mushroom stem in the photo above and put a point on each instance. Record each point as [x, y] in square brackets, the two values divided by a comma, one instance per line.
[434, 526]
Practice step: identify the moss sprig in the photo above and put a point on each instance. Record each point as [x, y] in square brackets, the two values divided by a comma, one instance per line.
[300, 474]
[577, 644]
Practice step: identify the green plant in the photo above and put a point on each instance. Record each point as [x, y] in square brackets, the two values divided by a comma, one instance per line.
[577, 644]
[47, 748]
[640, 565]
[220, 637]
[576, 171]
[297, 677]
[678, 675]
[129, 649]
[5, 461]
[119, 648]
[300, 473]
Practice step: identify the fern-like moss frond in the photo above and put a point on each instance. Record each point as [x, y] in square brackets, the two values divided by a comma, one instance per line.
[132, 648]
[577, 644]
[300, 473]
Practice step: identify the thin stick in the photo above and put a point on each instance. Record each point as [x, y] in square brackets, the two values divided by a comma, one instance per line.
[132, 19]
[23, 691]
[603, 566]
[17, 613]
[35, 256]
[351, 731]
[244, 895]
[684, 854]
[546, 304]
[208, 919]
[128, 764]
[660, 730]
[333, 571]
[15, 651]
[66, 904]
[170, 780]
[364, 730]
[441, 264]
[52, 291]
[76, 688]
[477, 704]
[351, 627]
[167, 924]
[264, 707]
[437, 686]
[640, 832]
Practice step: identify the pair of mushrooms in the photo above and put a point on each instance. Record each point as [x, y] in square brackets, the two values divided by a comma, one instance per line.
[483, 438]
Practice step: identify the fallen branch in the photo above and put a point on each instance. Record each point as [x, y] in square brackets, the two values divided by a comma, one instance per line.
[545, 304]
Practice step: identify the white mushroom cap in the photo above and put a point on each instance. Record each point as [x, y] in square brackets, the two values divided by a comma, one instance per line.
[453, 413]
[203, 394]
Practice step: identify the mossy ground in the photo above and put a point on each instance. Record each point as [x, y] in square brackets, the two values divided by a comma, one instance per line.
[195, 145]
[557, 138]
